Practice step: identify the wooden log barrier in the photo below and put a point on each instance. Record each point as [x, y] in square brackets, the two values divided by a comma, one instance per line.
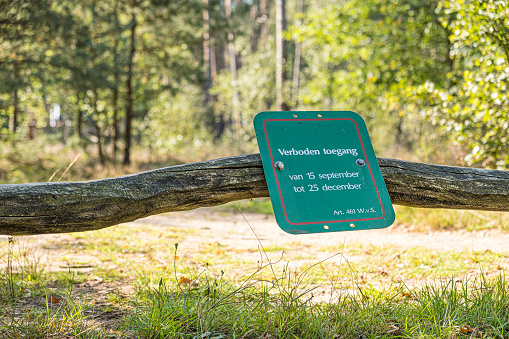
[40, 208]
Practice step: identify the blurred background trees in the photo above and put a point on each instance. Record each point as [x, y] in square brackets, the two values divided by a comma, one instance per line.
[169, 76]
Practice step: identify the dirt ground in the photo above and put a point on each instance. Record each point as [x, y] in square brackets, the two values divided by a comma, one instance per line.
[233, 229]
[245, 233]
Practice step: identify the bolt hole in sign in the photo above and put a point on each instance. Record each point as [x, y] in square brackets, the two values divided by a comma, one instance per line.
[322, 172]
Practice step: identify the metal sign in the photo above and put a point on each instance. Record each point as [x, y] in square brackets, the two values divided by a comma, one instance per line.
[322, 172]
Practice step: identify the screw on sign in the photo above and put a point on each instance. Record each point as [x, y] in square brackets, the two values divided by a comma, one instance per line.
[279, 165]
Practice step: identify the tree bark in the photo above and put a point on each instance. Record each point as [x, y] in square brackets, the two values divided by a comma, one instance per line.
[256, 27]
[281, 54]
[15, 111]
[59, 207]
[206, 52]
[79, 122]
[98, 129]
[264, 22]
[296, 62]
[15, 98]
[116, 84]
[32, 125]
[115, 121]
[235, 121]
[213, 62]
[129, 94]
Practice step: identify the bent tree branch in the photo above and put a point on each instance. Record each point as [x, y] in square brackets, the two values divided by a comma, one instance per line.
[40, 208]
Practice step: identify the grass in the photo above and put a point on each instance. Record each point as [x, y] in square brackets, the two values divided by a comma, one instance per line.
[133, 281]
[215, 309]
[46, 159]
[425, 219]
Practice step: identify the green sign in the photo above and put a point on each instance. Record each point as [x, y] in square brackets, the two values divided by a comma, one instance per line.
[322, 172]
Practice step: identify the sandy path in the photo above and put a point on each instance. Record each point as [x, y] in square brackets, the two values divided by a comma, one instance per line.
[232, 229]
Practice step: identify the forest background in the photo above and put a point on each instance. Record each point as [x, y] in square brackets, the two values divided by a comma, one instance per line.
[118, 82]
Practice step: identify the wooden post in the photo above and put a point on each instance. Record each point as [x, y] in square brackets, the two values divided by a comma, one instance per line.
[64, 207]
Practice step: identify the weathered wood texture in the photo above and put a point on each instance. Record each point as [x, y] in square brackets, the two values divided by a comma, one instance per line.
[40, 208]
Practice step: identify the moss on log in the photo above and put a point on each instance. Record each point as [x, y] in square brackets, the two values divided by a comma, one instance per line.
[40, 208]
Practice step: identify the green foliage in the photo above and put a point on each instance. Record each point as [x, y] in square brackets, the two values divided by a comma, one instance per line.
[256, 92]
[174, 121]
[422, 74]
[474, 106]
[362, 55]
[74, 56]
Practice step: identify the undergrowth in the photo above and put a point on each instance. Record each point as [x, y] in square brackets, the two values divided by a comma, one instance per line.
[188, 298]
[284, 306]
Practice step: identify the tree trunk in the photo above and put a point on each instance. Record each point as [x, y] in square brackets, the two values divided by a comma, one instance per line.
[255, 35]
[213, 63]
[235, 119]
[281, 54]
[264, 22]
[32, 125]
[217, 63]
[79, 123]
[206, 52]
[256, 23]
[98, 129]
[15, 111]
[116, 84]
[40, 208]
[296, 62]
[129, 94]
[115, 121]
[15, 98]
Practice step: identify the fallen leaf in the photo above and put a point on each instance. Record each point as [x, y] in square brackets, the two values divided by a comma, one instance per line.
[184, 281]
[54, 299]
[474, 332]
[409, 295]
[466, 329]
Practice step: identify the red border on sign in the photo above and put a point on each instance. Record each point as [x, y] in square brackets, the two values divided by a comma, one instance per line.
[279, 188]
